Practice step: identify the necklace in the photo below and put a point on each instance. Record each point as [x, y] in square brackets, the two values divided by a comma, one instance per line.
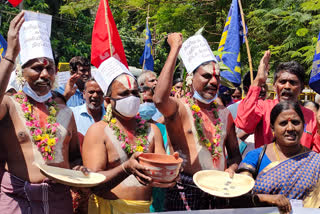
[275, 149]
[44, 137]
[213, 146]
[141, 132]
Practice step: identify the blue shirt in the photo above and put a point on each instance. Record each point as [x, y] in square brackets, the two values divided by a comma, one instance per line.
[83, 119]
[253, 156]
[157, 115]
[76, 100]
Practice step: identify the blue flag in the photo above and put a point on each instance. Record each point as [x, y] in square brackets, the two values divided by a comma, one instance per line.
[3, 47]
[231, 39]
[146, 57]
[314, 81]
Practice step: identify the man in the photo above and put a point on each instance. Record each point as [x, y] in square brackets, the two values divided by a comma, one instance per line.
[148, 78]
[190, 117]
[38, 127]
[247, 140]
[80, 71]
[93, 110]
[114, 151]
[254, 113]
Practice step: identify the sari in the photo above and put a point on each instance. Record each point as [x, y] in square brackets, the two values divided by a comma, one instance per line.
[296, 177]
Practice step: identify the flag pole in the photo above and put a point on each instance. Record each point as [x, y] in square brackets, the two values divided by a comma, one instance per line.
[246, 40]
[108, 27]
[144, 60]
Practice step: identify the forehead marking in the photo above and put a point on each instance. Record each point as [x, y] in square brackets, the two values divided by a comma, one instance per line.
[211, 69]
[127, 81]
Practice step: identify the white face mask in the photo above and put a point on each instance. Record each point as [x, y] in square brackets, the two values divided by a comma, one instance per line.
[128, 106]
[197, 96]
[31, 93]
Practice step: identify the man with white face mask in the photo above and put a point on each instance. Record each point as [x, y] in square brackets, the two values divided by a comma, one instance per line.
[122, 137]
[200, 129]
[36, 126]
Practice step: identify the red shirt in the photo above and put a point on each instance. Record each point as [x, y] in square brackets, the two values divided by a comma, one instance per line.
[254, 117]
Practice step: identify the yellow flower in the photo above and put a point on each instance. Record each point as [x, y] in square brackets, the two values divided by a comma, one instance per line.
[51, 142]
[208, 144]
[52, 110]
[46, 136]
[195, 108]
[38, 137]
[29, 107]
[215, 141]
[46, 148]
[139, 149]
[113, 120]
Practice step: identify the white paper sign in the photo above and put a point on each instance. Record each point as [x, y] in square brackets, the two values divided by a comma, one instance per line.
[62, 78]
[44, 18]
[195, 51]
[108, 71]
[34, 41]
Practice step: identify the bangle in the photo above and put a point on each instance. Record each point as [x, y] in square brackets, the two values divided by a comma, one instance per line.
[255, 200]
[124, 170]
[10, 60]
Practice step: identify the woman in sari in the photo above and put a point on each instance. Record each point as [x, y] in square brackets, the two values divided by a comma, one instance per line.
[287, 170]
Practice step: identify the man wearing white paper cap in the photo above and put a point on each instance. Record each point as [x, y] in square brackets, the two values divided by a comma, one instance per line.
[201, 130]
[122, 137]
[38, 127]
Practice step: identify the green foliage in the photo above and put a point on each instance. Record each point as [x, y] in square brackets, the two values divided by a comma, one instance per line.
[289, 28]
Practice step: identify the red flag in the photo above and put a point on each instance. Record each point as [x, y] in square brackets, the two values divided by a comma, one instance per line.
[100, 49]
[15, 2]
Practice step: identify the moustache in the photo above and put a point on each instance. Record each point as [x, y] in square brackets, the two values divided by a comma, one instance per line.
[94, 100]
[42, 82]
[286, 92]
[211, 87]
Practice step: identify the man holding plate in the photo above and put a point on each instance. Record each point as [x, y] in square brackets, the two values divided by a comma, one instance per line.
[122, 137]
[36, 126]
[199, 128]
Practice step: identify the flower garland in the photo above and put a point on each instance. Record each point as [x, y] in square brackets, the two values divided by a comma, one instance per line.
[141, 134]
[213, 146]
[45, 138]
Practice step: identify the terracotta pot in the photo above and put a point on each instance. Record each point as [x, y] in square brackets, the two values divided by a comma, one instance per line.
[162, 168]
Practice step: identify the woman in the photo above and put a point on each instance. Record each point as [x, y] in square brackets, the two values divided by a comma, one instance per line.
[287, 169]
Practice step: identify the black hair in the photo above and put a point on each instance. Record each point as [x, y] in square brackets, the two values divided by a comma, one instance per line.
[78, 60]
[175, 81]
[285, 105]
[143, 89]
[237, 88]
[292, 67]
[246, 82]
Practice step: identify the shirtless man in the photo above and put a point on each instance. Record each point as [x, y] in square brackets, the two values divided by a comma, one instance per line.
[183, 133]
[23, 188]
[108, 154]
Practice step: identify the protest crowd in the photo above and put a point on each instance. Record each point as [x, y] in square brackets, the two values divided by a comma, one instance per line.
[132, 131]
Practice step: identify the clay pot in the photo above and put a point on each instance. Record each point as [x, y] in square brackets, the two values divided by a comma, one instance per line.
[162, 168]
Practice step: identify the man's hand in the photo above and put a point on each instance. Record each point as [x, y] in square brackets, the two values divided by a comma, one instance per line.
[70, 88]
[230, 171]
[132, 166]
[13, 37]
[175, 40]
[263, 70]
[83, 169]
[280, 201]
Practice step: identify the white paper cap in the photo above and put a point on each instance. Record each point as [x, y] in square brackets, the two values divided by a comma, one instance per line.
[195, 51]
[34, 41]
[109, 70]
